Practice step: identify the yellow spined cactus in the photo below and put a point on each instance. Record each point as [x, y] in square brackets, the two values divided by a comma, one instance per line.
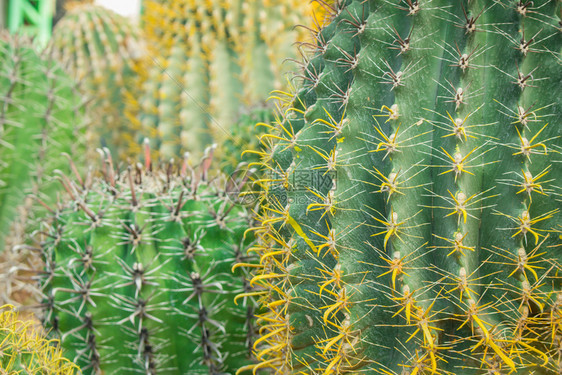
[24, 349]
[209, 59]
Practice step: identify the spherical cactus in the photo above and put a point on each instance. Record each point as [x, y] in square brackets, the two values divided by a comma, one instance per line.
[208, 60]
[138, 272]
[411, 217]
[25, 350]
[40, 118]
[99, 48]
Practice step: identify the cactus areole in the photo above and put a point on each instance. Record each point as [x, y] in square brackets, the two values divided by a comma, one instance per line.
[410, 217]
[138, 273]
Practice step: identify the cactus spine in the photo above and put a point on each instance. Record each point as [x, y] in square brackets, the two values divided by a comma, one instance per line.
[138, 273]
[25, 350]
[98, 48]
[217, 57]
[40, 118]
[411, 218]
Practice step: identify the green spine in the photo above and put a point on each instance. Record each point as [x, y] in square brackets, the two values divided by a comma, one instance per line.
[207, 61]
[99, 48]
[411, 216]
[40, 118]
[138, 272]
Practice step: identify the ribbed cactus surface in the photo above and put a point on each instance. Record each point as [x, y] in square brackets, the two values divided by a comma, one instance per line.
[138, 273]
[208, 60]
[40, 118]
[25, 350]
[411, 215]
[99, 48]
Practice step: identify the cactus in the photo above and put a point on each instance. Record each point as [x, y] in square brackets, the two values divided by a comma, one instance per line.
[208, 60]
[138, 272]
[99, 48]
[40, 118]
[411, 220]
[25, 350]
[245, 134]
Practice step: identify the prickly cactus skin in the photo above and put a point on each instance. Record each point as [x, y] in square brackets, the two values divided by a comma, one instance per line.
[138, 273]
[41, 116]
[411, 214]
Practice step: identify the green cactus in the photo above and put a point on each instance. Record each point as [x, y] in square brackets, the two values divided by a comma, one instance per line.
[40, 118]
[207, 61]
[25, 350]
[99, 48]
[138, 272]
[245, 134]
[411, 216]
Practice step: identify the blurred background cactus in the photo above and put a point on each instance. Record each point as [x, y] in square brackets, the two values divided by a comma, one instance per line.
[25, 350]
[411, 217]
[138, 271]
[206, 62]
[98, 48]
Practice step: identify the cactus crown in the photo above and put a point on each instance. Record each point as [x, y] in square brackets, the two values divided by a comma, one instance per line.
[411, 215]
[138, 272]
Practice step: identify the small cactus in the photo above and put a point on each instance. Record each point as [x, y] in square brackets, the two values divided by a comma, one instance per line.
[207, 61]
[138, 272]
[41, 116]
[410, 218]
[99, 48]
[25, 350]
[245, 134]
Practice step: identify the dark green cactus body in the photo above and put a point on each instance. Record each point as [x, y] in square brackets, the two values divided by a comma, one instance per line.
[412, 212]
[138, 274]
[40, 118]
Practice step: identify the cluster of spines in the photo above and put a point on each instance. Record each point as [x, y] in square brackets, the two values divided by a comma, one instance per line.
[163, 241]
[216, 59]
[472, 272]
[26, 350]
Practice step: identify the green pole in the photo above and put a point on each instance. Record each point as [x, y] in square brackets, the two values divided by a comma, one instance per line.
[31, 18]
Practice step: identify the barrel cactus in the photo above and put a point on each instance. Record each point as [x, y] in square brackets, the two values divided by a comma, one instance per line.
[99, 48]
[138, 274]
[206, 62]
[411, 218]
[25, 350]
[41, 116]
